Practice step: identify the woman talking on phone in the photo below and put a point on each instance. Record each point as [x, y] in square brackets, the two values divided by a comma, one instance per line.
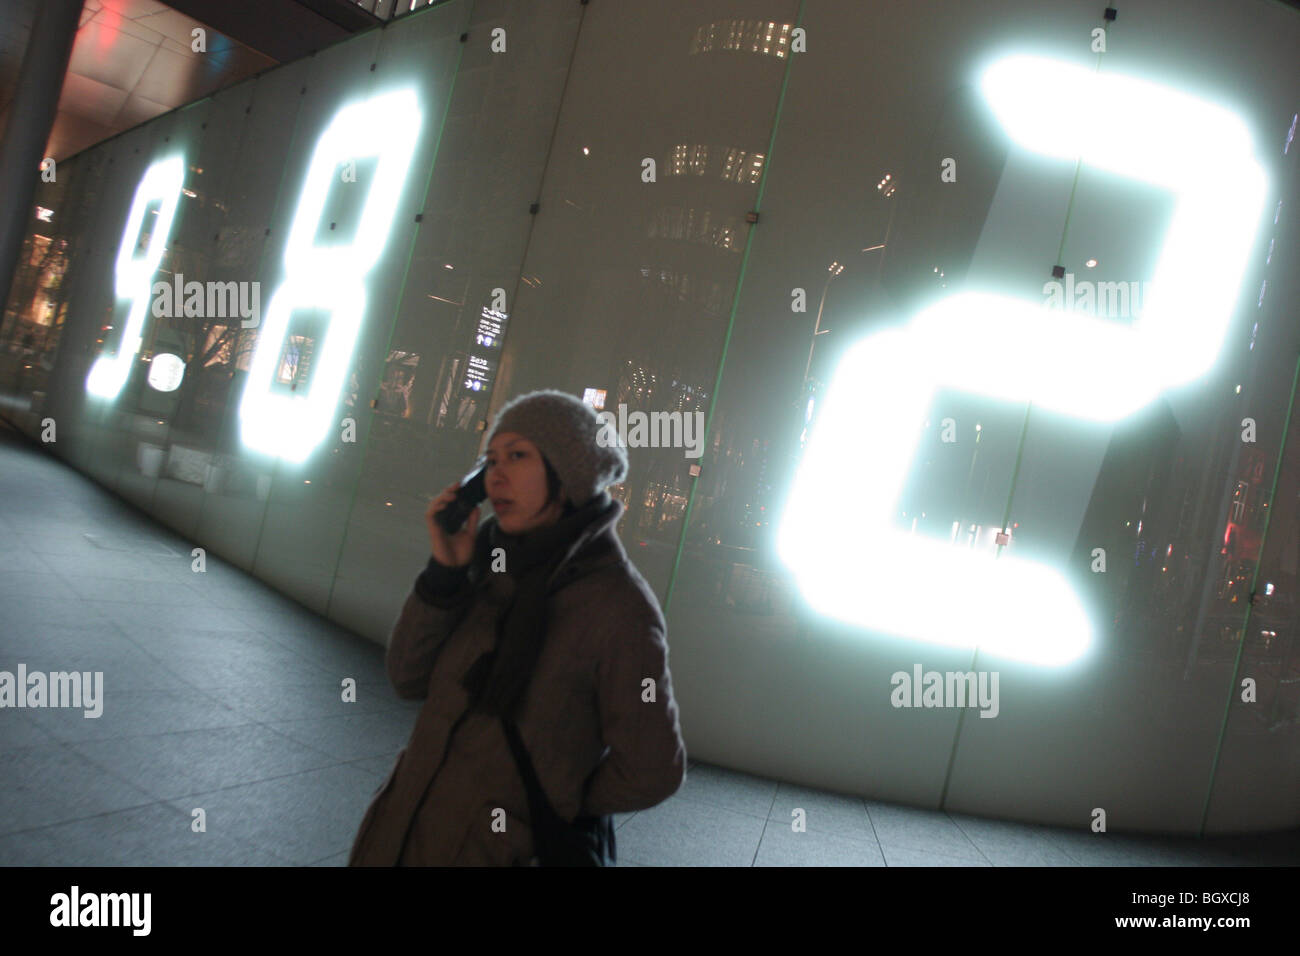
[540, 654]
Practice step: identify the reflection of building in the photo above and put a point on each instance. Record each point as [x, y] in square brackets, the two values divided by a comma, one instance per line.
[35, 314]
[469, 371]
[658, 484]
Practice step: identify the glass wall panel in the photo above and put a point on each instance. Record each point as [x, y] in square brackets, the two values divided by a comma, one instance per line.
[490, 151]
[138, 424]
[219, 244]
[254, 179]
[634, 258]
[81, 340]
[35, 316]
[311, 503]
[1136, 727]
[329, 242]
[62, 396]
[96, 302]
[1244, 599]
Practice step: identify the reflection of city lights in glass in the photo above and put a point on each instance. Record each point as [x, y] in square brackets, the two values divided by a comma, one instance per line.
[166, 371]
[993, 346]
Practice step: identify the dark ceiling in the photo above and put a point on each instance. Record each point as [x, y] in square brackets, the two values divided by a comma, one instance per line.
[132, 59]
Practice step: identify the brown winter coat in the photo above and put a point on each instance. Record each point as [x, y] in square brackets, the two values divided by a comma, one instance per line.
[598, 746]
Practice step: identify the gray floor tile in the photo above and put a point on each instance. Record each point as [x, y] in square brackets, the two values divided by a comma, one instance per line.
[19, 731]
[783, 846]
[683, 833]
[1259, 849]
[238, 667]
[340, 656]
[176, 765]
[123, 666]
[927, 831]
[1012, 844]
[823, 811]
[338, 859]
[270, 619]
[376, 765]
[15, 558]
[1122, 849]
[218, 574]
[351, 737]
[224, 659]
[1106, 849]
[240, 592]
[140, 713]
[323, 698]
[42, 585]
[719, 787]
[302, 818]
[66, 638]
[126, 590]
[130, 617]
[153, 835]
[1191, 851]
[907, 856]
[39, 615]
[52, 784]
[65, 541]
[98, 563]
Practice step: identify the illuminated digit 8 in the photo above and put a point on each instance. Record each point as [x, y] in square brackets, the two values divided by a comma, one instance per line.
[328, 278]
[863, 569]
[134, 276]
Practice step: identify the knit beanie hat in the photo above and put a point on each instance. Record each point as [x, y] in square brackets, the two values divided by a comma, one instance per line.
[565, 430]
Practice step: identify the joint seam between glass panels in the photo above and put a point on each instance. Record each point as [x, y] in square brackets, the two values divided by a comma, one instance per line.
[401, 297]
[731, 319]
[492, 405]
[190, 386]
[1245, 625]
[279, 197]
[1015, 473]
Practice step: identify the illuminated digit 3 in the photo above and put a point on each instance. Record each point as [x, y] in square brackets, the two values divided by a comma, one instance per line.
[868, 572]
[133, 277]
[328, 278]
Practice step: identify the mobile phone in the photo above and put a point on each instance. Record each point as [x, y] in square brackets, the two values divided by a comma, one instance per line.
[472, 490]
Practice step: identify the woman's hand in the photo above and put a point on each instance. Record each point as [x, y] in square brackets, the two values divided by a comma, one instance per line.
[454, 550]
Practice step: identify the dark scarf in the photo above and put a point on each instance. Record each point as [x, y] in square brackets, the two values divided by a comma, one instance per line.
[497, 680]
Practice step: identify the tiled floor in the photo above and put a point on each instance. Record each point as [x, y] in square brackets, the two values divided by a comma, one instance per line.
[225, 696]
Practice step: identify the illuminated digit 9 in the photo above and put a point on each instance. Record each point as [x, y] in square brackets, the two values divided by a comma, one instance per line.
[134, 276]
[862, 568]
[328, 278]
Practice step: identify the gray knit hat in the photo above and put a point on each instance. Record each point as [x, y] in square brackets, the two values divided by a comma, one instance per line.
[564, 429]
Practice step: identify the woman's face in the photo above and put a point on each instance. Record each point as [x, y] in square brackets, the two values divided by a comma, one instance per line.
[516, 485]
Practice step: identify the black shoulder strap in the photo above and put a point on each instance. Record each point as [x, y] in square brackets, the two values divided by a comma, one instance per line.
[537, 802]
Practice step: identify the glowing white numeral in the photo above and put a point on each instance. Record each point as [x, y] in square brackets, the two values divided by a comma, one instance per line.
[134, 277]
[863, 569]
[328, 278]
